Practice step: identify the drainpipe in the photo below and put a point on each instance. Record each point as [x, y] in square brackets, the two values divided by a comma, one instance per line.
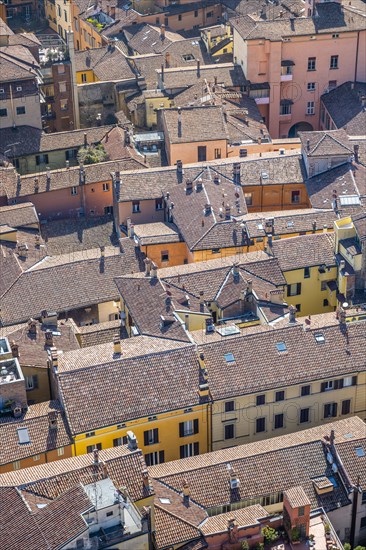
[74, 84]
[356, 493]
[356, 61]
[12, 104]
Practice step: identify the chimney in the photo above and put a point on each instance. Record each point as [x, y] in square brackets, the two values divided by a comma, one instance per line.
[14, 348]
[189, 186]
[186, 491]
[179, 167]
[52, 420]
[363, 101]
[314, 226]
[147, 266]
[235, 271]
[356, 148]
[342, 316]
[186, 319]
[199, 185]
[352, 85]
[167, 59]
[96, 455]
[281, 14]
[308, 144]
[117, 345]
[198, 68]
[162, 32]
[145, 478]
[332, 437]
[179, 122]
[228, 211]
[269, 240]
[85, 139]
[81, 174]
[207, 209]
[113, 12]
[162, 73]
[236, 172]
[131, 441]
[32, 326]
[48, 338]
[54, 357]
[202, 294]
[307, 324]
[249, 286]
[102, 251]
[154, 270]
[342, 265]
[292, 311]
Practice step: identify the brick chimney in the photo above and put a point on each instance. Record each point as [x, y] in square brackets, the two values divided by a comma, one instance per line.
[53, 420]
[147, 262]
[167, 59]
[154, 270]
[189, 186]
[131, 441]
[179, 166]
[14, 348]
[186, 491]
[162, 32]
[48, 338]
[53, 357]
[292, 312]
[32, 326]
[145, 478]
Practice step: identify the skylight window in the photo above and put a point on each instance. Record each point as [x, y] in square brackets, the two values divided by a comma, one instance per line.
[229, 358]
[260, 226]
[319, 337]
[23, 435]
[290, 224]
[360, 451]
[165, 500]
[281, 346]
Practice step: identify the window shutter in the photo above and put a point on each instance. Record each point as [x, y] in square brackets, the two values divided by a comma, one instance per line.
[37, 160]
[196, 448]
[161, 457]
[146, 438]
[322, 387]
[156, 435]
[181, 429]
[67, 155]
[182, 451]
[195, 426]
[337, 384]
[298, 288]
[35, 382]
[288, 290]
[341, 383]
[46, 159]
[335, 408]
[354, 380]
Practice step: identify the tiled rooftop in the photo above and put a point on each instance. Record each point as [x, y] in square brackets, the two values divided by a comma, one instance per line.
[305, 251]
[325, 143]
[19, 215]
[345, 107]
[191, 124]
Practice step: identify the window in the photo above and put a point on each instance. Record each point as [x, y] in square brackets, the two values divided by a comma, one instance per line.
[61, 69]
[327, 386]
[31, 382]
[165, 256]
[74, 190]
[19, 88]
[217, 153]
[323, 286]
[90, 434]
[108, 210]
[189, 427]
[84, 78]
[196, 13]
[363, 523]
[136, 207]
[21, 110]
[2, 91]
[280, 395]
[260, 424]
[260, 400]
[333, 62]
[319, 337]
[346, 406]
[60, 451]
[278, 421]
[59, 11]
[105, 186]
[64, 104]
[62, 87]
[348, 381]
[120, 441]
[301, 511]
[188, 57]
[16, 465]
[332, 84]
[294, 289]
[305, 390]
[281, 347]
[151, 437]
[152, 459]
[285, 109]
[36, 458]
[209, 14]
[310, 108]
[201, 153]
[229, 431]
[311, 86]
[364, 497]
[90, 448]
[159, 204]
[109, 514]
[325, 302]
[311, 63]
[229, 406]
[306, 272]
[330, 410]
[65, 15]
[248, 198]
[298, 307]
[229, 358]
[41, 159]
[191, 449]
[304, 415]
[3, 112]
[215, 251]
[71, 154]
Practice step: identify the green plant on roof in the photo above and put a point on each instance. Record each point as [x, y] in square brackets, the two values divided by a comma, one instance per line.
[269, 534]
[92, 154]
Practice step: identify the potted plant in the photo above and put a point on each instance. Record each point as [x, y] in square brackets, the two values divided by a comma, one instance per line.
[244, 545]
[295, 535]
[327, 530]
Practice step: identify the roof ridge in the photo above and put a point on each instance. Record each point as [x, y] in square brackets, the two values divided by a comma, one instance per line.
[177, 517]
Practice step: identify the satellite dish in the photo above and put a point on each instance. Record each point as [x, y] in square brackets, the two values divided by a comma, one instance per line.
[345, 305]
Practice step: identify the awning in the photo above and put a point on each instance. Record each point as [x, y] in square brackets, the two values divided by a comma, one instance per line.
[286, 102]
[287, 63]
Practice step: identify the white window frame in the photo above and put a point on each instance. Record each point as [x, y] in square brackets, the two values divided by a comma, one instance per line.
[311, 86]
[188, 450]
[29, 384]
[188, 427]
[310, 108]
[329, 385]
[347, 381]
[74, 190]
[61, 451]
[105, 186]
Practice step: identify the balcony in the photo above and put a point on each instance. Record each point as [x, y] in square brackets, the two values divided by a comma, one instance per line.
[286, 70]
[286, 77]
[260, 93]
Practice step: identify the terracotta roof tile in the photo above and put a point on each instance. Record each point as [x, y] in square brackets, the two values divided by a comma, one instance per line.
[323, 143]
[305, 251]
[245, 517]
[345, 108]
[18, 215]
[190, 124]
[171, 530]
[296, 497]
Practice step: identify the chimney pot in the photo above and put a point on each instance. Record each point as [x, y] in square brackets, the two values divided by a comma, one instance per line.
[14, 348]
[52, 420]
[131, 441]
[32, 326]
[162, 32]
[249, 286]
[308, 144]
[85, 139]
[154, 270]
[292, 310]
[186, 490]
[96, 455]
[49, 337]
[189, 186]
[179, 169]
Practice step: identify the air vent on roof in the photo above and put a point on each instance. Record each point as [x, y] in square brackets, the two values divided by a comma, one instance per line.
[228, 330]
[264, 175]
[23, 435]
[319, 337]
